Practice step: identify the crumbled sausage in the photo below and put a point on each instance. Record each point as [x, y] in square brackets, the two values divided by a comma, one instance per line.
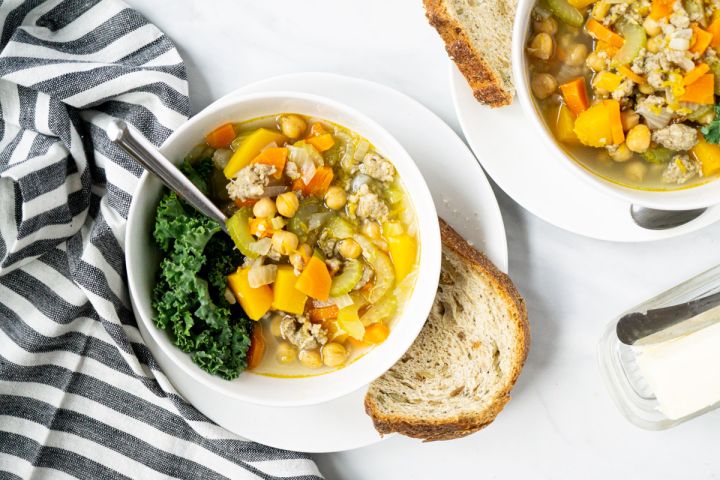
[676, 137]
[369, 205]
[375, 166]
[250, 182]
[302, 333]
[681, 169]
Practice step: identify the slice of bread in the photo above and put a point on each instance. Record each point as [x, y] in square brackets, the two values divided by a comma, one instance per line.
[458, 374]
[477, 36]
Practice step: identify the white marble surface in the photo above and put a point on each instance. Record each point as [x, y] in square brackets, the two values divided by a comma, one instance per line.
[560, 423]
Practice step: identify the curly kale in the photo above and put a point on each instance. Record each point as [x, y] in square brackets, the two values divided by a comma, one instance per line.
[188, 298]
[711, 132]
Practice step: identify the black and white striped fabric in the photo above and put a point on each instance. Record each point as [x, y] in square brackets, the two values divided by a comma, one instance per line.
[80, 394]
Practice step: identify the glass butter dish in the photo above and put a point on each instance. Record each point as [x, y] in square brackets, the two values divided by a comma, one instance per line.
[671, 376]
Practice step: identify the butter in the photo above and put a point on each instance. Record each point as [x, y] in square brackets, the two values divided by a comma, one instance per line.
[684, 371]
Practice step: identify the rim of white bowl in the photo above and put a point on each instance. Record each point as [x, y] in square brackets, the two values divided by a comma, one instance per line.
[386, 354]
[702, 196]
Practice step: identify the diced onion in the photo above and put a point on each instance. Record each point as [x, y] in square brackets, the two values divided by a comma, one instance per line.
[269, 145]
[221, 157]
[261, 275]
[655, 120]
[317, 220]
[342, 301]
[307, 171]
[362, 149]
[262, 246]
[358, 181]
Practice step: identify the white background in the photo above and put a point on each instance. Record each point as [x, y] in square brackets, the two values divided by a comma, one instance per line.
[560, 423]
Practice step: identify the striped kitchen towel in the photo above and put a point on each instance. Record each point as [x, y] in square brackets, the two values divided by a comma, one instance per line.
[80, 394]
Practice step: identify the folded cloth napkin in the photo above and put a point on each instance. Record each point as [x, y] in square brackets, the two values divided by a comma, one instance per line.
[80, 394]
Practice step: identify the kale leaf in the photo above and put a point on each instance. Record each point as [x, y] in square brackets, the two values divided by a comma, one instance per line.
[711, 131]
[188, 298]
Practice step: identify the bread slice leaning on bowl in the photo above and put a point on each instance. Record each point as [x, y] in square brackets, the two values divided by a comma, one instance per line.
[457, 375]
[477, 36]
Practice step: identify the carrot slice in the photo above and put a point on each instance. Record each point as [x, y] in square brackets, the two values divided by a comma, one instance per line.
[315, 280]
[695, 74]
[221, 137]
[376, 333]
[701, 91]
[613, 110]
[575, 94]
[601, 32]
[321, 314]
[714, 28]
[248, 202]
[607, 48]
[702, 39]
[275, 156]
[257, 347]
[260, 227]
[627, 73]
[318, 185]
[661, 8]
[322, 142]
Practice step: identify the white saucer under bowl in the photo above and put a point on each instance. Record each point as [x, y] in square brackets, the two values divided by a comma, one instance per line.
[517, 159]
[466, 201]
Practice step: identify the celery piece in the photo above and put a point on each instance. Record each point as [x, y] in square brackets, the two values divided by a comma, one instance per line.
[239, 230]
[346, 281]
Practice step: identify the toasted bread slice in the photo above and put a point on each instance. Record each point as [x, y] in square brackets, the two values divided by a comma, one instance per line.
[458, 374]
[477, 36]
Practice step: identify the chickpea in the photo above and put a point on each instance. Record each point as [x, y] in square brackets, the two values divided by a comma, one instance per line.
[349, 248]
[286, 353]
[543, 85]
[264, 208]
[275, 322]
[638, 139]
[371, 229]
[310, 358]
[292, 126]
[335, 198]
[541, 46]
[651, 27]
[595, 62]
[629, 119]
[546, 25]
[284, 242]
[287, 204]
[621, 154]
[334, 354]
[576, 55]
[636, 171]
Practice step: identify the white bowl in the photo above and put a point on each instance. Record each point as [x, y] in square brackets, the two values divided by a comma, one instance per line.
[142, 256]
[705, 195]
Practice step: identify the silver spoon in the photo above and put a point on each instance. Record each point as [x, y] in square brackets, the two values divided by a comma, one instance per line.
[149, 157]
[653, 219]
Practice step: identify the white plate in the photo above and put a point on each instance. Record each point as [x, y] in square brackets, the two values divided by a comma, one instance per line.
[518, 161]
[466, 201]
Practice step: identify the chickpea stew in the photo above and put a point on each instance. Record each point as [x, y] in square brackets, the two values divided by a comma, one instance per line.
[325, 240]
[628, 87]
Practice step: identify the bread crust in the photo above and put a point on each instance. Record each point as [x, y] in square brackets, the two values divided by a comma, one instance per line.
[486, 84]
[462, 425]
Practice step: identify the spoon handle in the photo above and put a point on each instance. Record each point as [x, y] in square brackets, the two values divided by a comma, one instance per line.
[149, 157]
